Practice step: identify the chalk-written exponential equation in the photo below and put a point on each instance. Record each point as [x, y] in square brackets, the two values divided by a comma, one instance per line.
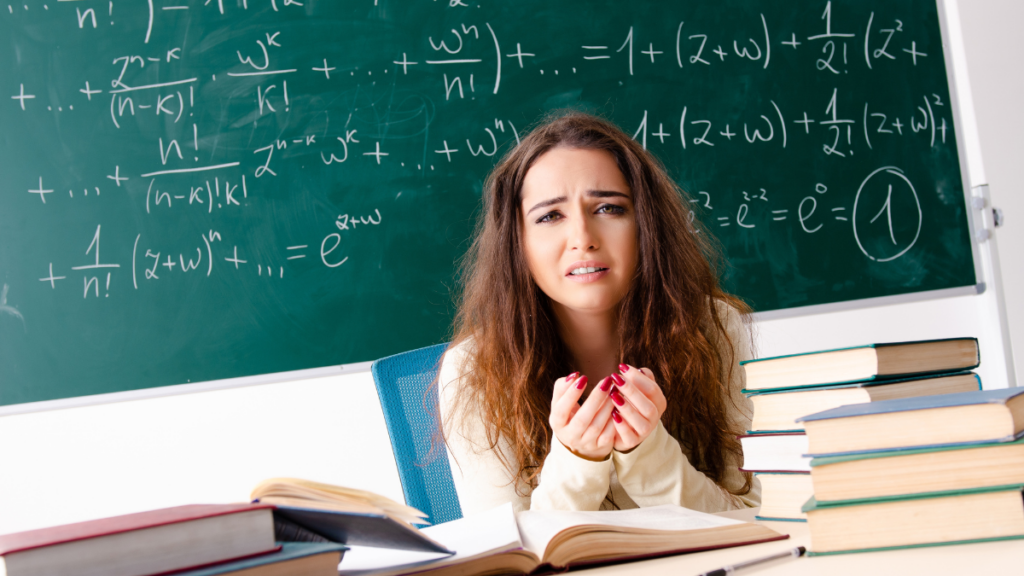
[298, 178]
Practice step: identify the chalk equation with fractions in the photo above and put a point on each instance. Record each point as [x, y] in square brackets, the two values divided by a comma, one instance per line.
[208, 109]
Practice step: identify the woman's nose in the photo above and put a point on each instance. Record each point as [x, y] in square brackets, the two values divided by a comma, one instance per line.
[584, 236]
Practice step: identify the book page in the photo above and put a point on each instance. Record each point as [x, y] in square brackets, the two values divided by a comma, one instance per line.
[482, 534]
[309, 494]
[537, 528]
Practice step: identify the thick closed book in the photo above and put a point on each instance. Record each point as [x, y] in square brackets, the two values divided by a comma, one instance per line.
[924, 470]
[861, 363]
[501, 542]
[978, 515]
[294, 558]
[777, 452]
[783, 495]
[949, 419]
[777, 410]
[151, 542]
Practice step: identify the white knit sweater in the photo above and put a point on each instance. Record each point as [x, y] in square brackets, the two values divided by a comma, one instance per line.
[657, 472]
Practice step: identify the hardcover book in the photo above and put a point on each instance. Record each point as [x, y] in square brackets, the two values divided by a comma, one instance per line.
[775, 452]
[305, 558]
[950, 419]
[783, 495]
[315, 512]
[144, 543]
[861, 363]
[777, 410]
[976, 515]
[923, 470]
[501, 542]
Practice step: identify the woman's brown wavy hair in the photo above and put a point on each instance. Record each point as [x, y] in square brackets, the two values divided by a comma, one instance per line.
[668, 320]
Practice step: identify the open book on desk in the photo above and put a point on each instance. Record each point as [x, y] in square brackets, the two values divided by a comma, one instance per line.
[499, 541]
[308, 511]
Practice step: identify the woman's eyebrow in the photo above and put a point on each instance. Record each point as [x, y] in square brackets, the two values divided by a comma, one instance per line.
[546, 203]
[590, 193]
[606, 194]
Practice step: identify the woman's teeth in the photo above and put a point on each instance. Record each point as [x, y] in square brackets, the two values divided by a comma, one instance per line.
[578, 271]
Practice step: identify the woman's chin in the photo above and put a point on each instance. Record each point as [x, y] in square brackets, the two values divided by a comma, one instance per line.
[590, 306]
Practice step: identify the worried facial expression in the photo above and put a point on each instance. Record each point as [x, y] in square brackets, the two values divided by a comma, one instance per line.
[579, 229]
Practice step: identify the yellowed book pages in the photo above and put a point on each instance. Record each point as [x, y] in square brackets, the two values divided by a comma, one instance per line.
[306, 493]
[947, 425]
[937, 471]
[782, 495]
[779, 411]
[917, 522]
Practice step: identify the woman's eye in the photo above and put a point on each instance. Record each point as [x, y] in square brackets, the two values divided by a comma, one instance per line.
[549, 217]
[611, 209]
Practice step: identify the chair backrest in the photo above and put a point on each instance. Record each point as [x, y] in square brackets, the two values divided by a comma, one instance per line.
[402, 383]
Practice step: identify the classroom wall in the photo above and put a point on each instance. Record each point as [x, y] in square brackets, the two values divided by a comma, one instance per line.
[89, 461]
[991, 43]
[75, 464]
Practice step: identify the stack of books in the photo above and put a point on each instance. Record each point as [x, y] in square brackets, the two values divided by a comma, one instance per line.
[783, 389]
[292, 527]
[778, 461]
[922, 471]
[202, 539]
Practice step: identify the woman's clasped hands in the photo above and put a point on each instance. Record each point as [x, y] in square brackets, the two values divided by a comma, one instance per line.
[620, 412]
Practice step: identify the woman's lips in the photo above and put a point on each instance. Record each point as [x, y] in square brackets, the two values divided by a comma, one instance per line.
[589, 277]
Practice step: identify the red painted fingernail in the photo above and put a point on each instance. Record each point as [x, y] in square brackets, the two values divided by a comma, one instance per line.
[605, 384]
[618, 379]
[581, 383]
[623, 368]
[616, 416]
[572, 376]
[617, 398]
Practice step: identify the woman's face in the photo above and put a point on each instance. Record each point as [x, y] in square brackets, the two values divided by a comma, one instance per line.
[579, 229]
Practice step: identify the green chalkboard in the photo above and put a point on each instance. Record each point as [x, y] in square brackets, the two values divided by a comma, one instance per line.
[195, 190]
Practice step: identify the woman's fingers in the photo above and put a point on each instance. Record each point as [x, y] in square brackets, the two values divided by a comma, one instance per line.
[609, 434]
[642, 378]
[626, 438]
[598, 438]
[560, 386]
[637, 385]
[592, 428]
[564, 401]
[587, 413]
[586, 429]
[639, 404]
[643, 422]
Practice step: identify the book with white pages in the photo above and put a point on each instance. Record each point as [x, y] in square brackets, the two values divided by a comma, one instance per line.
[499, 541]
[775, 452]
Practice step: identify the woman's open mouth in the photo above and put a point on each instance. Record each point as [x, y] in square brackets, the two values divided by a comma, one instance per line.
[587, 273]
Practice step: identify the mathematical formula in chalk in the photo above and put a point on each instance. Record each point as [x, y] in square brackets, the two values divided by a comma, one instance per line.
[219, 112]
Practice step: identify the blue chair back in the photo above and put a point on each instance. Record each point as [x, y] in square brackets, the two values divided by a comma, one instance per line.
[402, 381]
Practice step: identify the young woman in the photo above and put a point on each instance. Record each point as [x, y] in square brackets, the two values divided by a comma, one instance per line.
[584, 264]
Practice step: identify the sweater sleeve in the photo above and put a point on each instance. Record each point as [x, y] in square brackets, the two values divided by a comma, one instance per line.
[658, 472]
[568, 482]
